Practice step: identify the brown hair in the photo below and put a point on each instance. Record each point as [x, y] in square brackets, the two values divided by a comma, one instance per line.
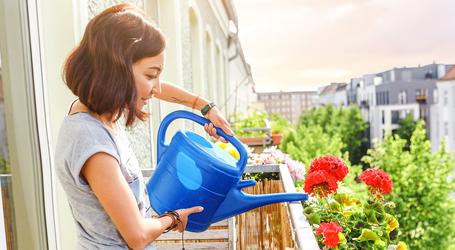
[99, 70]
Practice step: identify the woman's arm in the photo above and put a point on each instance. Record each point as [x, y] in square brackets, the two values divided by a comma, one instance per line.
[103, 174]
[176, 94]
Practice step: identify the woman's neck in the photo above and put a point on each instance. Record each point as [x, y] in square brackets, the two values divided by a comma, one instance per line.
[104, 118]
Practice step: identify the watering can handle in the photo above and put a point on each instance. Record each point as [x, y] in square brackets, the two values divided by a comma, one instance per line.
[241, 163]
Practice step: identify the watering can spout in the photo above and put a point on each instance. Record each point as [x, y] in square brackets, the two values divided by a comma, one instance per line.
[237, 202]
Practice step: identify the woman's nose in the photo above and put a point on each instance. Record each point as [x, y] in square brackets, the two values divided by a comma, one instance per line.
[156, 89]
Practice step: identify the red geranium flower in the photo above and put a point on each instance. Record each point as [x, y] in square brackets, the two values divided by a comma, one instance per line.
[321, 183]
[330, 232]
[331, 164]
[377, 179]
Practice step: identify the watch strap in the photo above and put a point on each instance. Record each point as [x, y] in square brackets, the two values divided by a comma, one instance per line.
[207, 108]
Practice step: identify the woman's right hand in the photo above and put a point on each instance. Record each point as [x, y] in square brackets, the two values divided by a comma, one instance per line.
[184, 213]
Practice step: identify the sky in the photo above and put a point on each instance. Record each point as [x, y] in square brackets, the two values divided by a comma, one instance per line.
[298, 45]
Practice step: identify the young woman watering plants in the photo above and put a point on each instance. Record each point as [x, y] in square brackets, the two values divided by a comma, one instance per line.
[114, 72]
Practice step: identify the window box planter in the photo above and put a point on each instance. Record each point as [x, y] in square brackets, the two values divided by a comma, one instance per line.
[255, 141]
[292, 219]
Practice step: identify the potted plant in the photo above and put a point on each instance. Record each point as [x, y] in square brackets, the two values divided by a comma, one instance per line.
[279, 126]
[252, 129]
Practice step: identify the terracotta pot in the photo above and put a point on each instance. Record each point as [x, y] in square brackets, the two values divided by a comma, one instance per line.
[253, 141]
[276, 138]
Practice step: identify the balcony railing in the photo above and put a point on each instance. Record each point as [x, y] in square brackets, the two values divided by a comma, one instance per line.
[421, 98]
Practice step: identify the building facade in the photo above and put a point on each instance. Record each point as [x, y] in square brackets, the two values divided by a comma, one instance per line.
[333, 94]
[288, 104]
[443, 112]
[398, 92]
[203, 55]
[386, 97]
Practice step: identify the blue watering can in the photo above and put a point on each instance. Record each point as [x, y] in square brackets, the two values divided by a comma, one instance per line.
[192, 171]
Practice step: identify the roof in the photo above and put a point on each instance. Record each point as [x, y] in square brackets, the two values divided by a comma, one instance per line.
[332, 88]
[286, 92]
[450, 75]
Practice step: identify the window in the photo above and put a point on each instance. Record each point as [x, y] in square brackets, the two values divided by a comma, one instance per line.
[383, 117]
[403, 97]
[395, 116]
[446, 97]
[435, 96]
[6, 205]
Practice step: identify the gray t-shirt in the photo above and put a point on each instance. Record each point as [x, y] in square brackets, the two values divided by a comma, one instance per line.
[81, 136]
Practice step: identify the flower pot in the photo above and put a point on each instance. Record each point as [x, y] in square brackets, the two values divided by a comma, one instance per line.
[276, 138]
[253, 141]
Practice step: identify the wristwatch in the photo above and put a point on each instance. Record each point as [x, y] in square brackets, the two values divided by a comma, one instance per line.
[207, 108]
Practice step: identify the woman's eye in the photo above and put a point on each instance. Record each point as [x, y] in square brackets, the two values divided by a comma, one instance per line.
[149, 77]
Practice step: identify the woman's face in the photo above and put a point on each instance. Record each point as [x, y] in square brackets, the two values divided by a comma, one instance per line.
[147, 78]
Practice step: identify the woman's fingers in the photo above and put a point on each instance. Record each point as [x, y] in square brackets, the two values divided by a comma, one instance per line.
[211, 130]
[184, 213]
[226, 128]
[218, 119]
[195, 209]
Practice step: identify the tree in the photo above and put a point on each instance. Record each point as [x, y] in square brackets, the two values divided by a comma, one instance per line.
[405, 129]
[344, 123]
[307, 143]
[422, 186]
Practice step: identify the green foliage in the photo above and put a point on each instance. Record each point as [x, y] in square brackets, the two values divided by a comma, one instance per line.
[422, 186]
[405, 129]
[254, 119]
[307, 143]
[280, 124]
[5, 167]
[330, 125]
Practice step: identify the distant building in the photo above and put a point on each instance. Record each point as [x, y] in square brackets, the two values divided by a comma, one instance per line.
[443, 112]
[334, 94]
[288, 104]
[387, 97]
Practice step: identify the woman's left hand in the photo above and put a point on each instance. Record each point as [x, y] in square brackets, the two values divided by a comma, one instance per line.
[217, 120]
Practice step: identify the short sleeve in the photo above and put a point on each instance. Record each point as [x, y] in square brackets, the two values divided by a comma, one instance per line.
[89, 140]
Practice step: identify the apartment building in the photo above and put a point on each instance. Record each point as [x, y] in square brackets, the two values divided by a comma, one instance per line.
[289, 104]
[334, 94]
[386, 97]
[443, 112]
[398, 92]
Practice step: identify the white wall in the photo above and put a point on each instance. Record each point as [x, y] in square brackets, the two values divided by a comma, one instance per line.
[61, 31]
[378, 129]
[340, 98]
[443, 116]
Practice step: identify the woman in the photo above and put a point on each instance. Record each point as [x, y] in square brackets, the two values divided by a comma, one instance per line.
[114, 71]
